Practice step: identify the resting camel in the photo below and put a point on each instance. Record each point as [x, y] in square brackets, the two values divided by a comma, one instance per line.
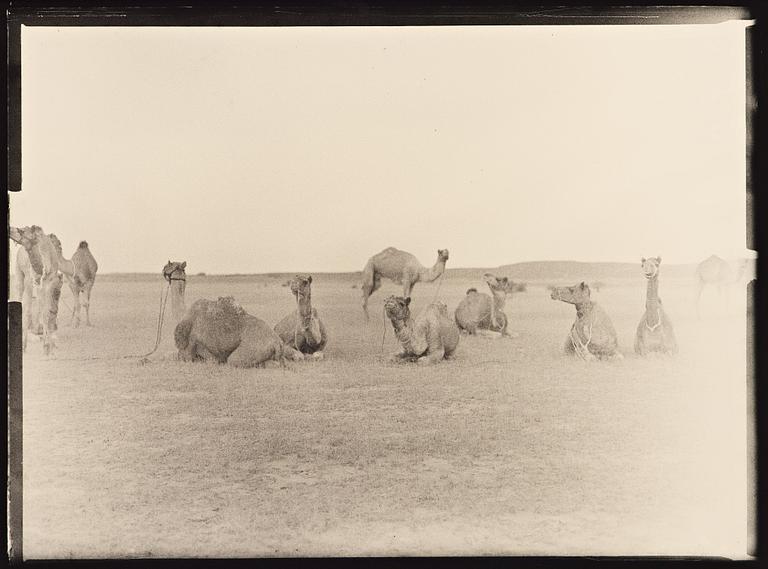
[654, 333]
[302, 330]
[400, 267]
[38, 281]
[80, 272]
[716, 271]
[429, 337]
[592, 335]
[479, 312]
[221, 330]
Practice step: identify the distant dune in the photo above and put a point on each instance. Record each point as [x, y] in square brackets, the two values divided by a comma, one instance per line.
[576, 270]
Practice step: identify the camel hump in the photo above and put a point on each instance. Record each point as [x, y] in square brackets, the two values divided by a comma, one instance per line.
[471, 290]
[83, 245]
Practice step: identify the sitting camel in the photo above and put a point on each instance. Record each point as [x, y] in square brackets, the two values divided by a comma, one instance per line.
[80, 272]
[428, 338]
[223, 331]
[654, 333]
[302, 330]
[38, 281]
[592, 335]
[400, 267]
[479, 312]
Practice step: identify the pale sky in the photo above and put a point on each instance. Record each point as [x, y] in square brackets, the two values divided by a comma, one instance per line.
[245, 150]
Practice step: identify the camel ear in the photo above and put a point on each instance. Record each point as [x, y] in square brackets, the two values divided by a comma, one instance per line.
[642, 260]
[583, 285]
[169, 261]
[184, 265]
[658, 259]
[407, 300]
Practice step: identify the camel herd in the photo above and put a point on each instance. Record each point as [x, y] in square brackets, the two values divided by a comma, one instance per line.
[221, 330]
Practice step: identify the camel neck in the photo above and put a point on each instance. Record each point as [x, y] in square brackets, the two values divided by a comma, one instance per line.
[652, 294]
[178, 307]
[35, 259]
[305, 308]
[405, 335]
[499, 299]
[584, 308]
[434, 272]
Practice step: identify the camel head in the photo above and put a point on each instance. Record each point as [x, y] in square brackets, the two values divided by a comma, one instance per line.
[27, 237]
[300, 286]
[396, 307]
[571, 294]
[442, 255]
[650, 266]
[174, 271]
[498, 284]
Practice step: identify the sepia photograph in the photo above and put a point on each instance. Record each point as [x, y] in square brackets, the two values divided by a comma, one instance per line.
[382, 290]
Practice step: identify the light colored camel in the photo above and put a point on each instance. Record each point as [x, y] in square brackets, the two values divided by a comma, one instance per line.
[717, 272]
[429, 337]
[80, 272]
[654, 332]
[38, 280]
[221, 330]
[400, 267]
[480, 313]
[302, 330]
[592, 335]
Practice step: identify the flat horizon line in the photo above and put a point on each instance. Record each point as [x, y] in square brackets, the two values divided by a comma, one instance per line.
[294, 272]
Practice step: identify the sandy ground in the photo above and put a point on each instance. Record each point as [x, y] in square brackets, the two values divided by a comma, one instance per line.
[510, 449]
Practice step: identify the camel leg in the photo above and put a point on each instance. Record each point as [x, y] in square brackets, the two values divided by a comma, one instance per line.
[407, 288]
[26, 313]
[291, 353]
[432, 357]
[371, 282]
[87, 304]
[75, 299]
[46, 299]
[76, 308]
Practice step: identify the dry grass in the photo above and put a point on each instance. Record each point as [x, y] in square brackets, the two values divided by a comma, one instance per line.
[510, 449]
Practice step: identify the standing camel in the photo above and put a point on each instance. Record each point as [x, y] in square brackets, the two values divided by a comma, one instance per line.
[80, 272]
[654, 333]
[400, 267]
[37, 274]
[718, 272]
[302, 330]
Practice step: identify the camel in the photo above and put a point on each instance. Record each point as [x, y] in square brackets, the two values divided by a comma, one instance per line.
[654, 333]
[718, 272]
[592, 335]
[174, 272]
[80, 272]
[302, 331]
[38, 281]
[221, 330]
[400, 267]
[428, 338]
[481, 313]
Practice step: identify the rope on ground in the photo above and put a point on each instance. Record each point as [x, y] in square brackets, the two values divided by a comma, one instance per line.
[158, 336]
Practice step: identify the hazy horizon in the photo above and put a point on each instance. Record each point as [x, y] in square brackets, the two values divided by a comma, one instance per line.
[271, 150]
